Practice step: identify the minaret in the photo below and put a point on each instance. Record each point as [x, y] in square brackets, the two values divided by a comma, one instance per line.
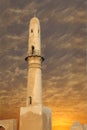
[34, 58]
[34, 116]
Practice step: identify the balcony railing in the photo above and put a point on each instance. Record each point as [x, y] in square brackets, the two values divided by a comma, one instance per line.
[34, 53]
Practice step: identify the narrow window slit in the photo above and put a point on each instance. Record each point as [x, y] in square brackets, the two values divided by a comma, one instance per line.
[30, 100]
[32, 49]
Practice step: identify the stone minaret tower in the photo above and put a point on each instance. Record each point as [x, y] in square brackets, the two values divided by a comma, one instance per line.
[34, 86]
[34, 116]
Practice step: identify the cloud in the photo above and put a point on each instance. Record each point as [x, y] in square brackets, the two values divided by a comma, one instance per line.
[72, 15]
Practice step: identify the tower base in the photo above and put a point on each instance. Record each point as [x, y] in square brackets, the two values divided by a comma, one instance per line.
[35, 118]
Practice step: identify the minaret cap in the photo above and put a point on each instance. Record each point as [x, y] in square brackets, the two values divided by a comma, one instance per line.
[34, 20]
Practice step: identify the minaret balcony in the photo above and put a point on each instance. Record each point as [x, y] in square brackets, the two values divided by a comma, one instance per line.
[35, 53]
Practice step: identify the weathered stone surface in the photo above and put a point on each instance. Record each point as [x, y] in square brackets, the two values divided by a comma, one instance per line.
[10, 124]
[35, 118]
[47, 121]
[31, 118]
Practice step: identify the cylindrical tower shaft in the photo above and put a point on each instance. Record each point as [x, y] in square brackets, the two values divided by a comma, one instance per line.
[34, 85]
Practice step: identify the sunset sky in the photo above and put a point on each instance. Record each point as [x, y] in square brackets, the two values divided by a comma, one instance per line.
[63, 38]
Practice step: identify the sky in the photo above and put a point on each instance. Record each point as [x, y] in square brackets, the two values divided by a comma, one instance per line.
[63, 39]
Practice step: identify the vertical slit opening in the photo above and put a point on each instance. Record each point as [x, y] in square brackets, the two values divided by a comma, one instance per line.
[30, 100]
[32, 49]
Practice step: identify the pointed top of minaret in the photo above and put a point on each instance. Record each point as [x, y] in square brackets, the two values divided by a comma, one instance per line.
[34, 20]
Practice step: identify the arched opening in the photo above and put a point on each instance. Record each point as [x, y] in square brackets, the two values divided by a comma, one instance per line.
[32, 49]
[2, 128]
